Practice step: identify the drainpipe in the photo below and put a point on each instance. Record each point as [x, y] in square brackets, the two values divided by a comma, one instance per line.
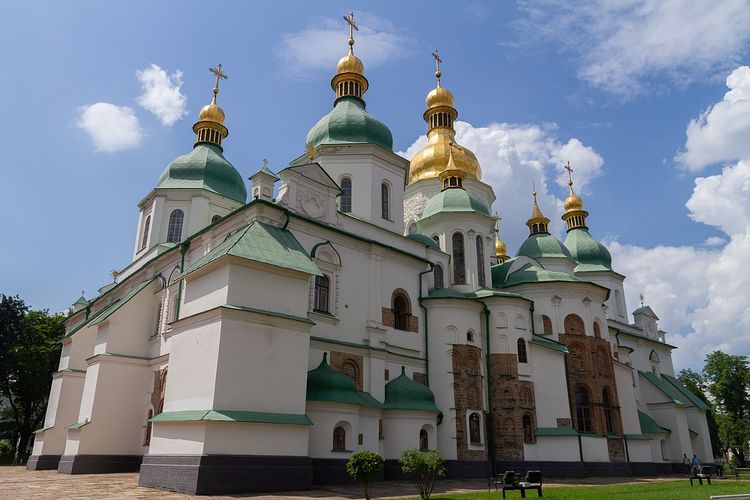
[531, 312]
[490, 418]
[183, 250]
[288, 218]
[426, 328]
[625, 440]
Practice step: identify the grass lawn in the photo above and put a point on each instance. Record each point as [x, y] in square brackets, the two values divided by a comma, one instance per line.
[678, 490]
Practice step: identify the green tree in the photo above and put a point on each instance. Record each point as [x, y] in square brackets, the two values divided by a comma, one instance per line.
[30, 352]
[425, 468]
[363, 467]
[695, 382]
[728, 379]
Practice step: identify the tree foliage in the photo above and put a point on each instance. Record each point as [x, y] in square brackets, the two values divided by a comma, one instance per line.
[29, 354]
[695, 382]
[728, 380]
[364, 467]
[425, 468]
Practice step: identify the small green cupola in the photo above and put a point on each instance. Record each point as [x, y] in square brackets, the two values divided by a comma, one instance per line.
[540, 242]
[404, 393]
[326, 384]
[349, 122]
[205, 166]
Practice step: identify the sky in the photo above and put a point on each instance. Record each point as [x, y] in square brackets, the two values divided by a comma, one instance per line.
[649, 100]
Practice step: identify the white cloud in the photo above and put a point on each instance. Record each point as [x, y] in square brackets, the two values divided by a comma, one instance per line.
[513, 156]
[700, 294]
[111, 128]
[714, 241]
[620, 44]
[161, 94]
[324, 41]
[721, 132]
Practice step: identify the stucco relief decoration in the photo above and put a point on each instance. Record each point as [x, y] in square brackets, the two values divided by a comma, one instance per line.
[310, 204]
[413, 207]
[578, 362]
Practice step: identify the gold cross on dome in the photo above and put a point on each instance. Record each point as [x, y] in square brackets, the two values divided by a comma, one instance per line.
[570, 174]
[219, 75]
[438, 73]
[352, 25]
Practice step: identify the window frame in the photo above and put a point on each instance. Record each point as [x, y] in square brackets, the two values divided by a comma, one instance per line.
[584, 422]
[345, 201]
[481, 278]
[438, 284]
[458, 251]
[175, 228]
[144, 234]
[339, 438]
[523, 355]
[385, 201]
[319, 295]
[475, 428]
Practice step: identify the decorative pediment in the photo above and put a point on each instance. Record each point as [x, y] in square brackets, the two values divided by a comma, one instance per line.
[307, 189]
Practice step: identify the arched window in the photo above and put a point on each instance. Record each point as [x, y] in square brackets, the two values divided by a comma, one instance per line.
[437, 274]
[522, 357]
[147, 436]
[547, 325]
[475, 435]
[608, 415]
[459, 265]
[385, 202]
[215, 219]
[339, 439]
[174, 230]
[401, 312]
[574, 325]
[436, 239]
[528, 429]
[345, 204]
[470, 336]
[424, 443]
[144, 236]
[321, 295]
[583, 409]
[597, 330]
[480, 261]
[350, 368]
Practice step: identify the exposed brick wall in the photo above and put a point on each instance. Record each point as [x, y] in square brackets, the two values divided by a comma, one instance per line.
[157, 394]
[616, 449]
[350, 365]
[590, 363]
[511, 400]
[389, 319]
[419, 377]
[468, 390]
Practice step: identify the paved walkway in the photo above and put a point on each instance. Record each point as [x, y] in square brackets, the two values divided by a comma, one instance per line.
[18, 483]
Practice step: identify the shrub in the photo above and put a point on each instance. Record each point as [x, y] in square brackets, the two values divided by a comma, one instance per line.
[425, 467]
[363, 467]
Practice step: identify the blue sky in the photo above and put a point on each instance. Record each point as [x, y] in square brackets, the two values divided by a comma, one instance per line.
[611, 86]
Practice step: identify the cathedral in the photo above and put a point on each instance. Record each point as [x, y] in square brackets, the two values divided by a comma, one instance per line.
[358, 301]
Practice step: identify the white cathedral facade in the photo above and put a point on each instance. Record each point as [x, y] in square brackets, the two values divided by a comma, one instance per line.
[255, 345]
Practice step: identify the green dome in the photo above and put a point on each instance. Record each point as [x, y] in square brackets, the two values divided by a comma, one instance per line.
[589, 253]
[349, 123]
[454, 200]
[326, 384]
[543, 245]
[204, 168]
[405, 394]
[534, 274]
[425, 240]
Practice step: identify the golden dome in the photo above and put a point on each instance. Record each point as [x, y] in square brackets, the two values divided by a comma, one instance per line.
[211, 113]
[350, 64]
[439, 97]
[573, 202]
[500, 248]
[433, 159]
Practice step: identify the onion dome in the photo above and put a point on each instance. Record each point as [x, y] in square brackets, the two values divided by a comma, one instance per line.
[587, 252]
[534, 274]
[540, 243]
[575, 215]
[349, 122]
[538, 223]
[205, 166]
[404, 393]
[501, 250]
[326, 384]
[433, 158]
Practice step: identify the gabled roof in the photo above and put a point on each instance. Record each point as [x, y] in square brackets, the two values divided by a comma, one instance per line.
[267, 171]
[648, 425]
[548, 343]
[686, 392]
[262, 243]
[647, 311]
[668, 389]
[314, 172]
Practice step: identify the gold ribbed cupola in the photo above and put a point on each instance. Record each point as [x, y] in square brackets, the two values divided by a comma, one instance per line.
[501, 251]
[430, 162]
[538, 223]
[575, 215]
[210, 125]
[350, 80]
[452, 177]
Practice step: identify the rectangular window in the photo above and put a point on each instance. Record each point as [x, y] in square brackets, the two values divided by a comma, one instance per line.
[321, 294]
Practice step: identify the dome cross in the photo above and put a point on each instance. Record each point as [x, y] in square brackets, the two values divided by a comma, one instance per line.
[219, 75]
[570, 174]
[352, 27]
[438, 73]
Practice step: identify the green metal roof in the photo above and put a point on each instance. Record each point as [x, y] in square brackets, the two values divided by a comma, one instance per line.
[78, 425]
[638, 437]
[262, 243]
[648, 425]
[450, 293]
[258, 417]
[548, 343]
[686, 392]
[499, 272]
[326, 384]
[454, 200]
[267, 171]
[349, 123]
[425, 240]
[692, 432]
[668, 389]
[114, 306]
[204, 168]
[587, 252]
[543, 245]
[403, 393]
[556, 431]
[647, 311]
[534, 274]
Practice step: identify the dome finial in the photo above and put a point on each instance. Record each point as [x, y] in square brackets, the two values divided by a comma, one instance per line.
[350, 80]
[538, 223]
[352, 26]
[210, 125]
[438, 73]
[574, 215]
[501, 250]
